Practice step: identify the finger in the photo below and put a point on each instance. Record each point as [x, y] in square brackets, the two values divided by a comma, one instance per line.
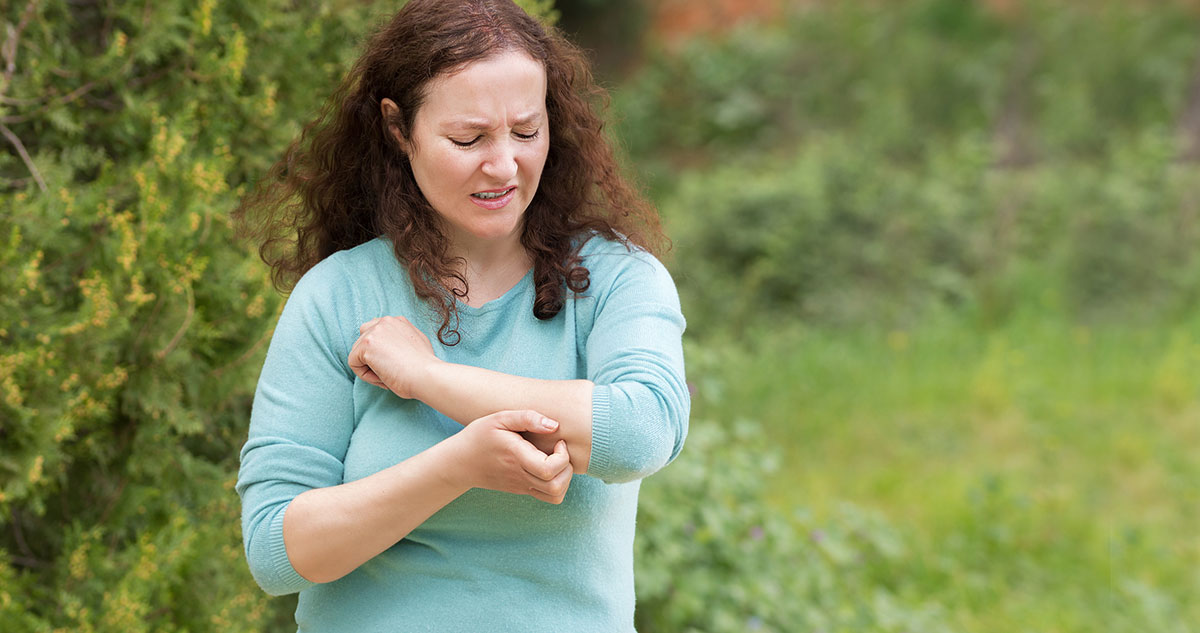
[554, 485]
[359, 366]
[357, 363]
[357, 359]
[362, 329]
[543, 497]
[534, 462]
[547, 469]
[367, 374]
[555, 490]
[373, 378]
[524, 420]
[558, 460]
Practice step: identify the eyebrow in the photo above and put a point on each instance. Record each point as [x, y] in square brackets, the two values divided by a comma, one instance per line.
[484, 124]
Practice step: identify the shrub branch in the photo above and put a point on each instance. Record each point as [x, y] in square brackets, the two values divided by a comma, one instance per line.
[187, 320]
[33, 170]
[9, 50]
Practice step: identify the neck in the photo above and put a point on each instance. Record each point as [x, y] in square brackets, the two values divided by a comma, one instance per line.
[484, 256]
[490, 267]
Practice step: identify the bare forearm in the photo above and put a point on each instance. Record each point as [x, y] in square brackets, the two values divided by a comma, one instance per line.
[329, 532]
[464, 393]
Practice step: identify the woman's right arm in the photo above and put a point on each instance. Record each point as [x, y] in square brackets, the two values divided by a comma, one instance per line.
[300, 428]
[329, 532]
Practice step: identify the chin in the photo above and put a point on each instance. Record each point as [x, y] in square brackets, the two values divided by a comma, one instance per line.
[495, 230]
[497, 224]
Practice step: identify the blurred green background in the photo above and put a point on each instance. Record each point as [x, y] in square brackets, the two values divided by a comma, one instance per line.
[938, 260]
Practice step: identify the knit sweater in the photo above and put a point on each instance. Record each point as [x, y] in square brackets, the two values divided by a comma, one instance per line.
[488, 561]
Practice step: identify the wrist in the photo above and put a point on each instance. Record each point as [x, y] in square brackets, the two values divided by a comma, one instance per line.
[423, 382]
[451, 458]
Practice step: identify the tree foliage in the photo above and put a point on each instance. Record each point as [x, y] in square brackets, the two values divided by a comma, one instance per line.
[856, 165]
[131, 323]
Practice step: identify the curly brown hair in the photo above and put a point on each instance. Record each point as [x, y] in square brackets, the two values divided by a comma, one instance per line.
[346, 179]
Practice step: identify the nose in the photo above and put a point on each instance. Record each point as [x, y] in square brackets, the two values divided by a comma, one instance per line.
[501, 162]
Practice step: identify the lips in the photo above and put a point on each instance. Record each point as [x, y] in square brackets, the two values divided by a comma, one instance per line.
[492, 194]
[494, 199]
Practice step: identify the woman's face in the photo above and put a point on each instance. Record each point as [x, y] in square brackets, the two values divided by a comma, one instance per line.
[478, 146]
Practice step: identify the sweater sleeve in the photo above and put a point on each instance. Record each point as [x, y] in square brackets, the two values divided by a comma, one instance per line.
[640, 402]
[300, 422]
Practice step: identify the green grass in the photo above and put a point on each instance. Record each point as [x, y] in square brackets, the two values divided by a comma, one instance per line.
[1045, 476]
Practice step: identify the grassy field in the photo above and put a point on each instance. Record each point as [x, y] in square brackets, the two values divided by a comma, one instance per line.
[1044, 476]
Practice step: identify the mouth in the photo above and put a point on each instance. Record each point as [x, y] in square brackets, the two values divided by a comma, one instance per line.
[493, 194]
[495, 199]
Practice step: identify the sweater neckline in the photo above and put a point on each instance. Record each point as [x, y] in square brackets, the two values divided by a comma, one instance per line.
[500, 302]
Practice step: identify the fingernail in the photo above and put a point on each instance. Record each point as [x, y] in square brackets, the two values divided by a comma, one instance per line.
[549, 424]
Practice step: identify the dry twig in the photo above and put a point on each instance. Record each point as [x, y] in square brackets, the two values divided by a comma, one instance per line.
[187, 321]
[9, 51]
[12, 138]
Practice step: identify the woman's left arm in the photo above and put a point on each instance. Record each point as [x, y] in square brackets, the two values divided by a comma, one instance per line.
[460, 392]
[627, 420]
[391, 353]
[634, 352]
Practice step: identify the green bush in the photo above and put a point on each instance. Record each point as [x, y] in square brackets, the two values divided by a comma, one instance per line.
[832, 234]
[1059, 79]
[131, 324]
[713, 556]
[839, 235]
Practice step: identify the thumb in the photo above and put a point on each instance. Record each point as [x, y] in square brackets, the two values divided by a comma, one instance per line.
[532, 421]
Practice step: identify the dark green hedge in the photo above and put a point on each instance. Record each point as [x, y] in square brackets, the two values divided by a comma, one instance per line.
[131, 323]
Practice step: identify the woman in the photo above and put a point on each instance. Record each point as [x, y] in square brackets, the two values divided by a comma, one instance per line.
[481, 359]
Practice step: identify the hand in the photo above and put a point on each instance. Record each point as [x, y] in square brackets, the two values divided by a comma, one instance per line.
[495, 456]
[544, 442]
[391, 353]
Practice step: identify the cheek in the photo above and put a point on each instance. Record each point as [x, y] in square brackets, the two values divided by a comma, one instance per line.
[535, 158]
[442, 170]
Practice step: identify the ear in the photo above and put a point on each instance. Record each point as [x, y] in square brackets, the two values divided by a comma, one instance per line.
[391, 112]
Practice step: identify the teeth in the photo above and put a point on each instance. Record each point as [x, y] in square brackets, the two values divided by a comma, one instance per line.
[491, 196]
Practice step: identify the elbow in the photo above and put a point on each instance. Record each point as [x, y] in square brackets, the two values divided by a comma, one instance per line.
[271, 585]
[644, 431]
[267, 555]
[621, 469]
[268, 486]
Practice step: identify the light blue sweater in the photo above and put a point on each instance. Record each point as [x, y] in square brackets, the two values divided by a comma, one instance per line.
[488, 561]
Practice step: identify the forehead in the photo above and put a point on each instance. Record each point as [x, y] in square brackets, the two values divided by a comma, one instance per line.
[503, 88]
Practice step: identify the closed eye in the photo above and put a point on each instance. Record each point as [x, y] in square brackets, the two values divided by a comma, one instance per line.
[466, 143]
[527, 137]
